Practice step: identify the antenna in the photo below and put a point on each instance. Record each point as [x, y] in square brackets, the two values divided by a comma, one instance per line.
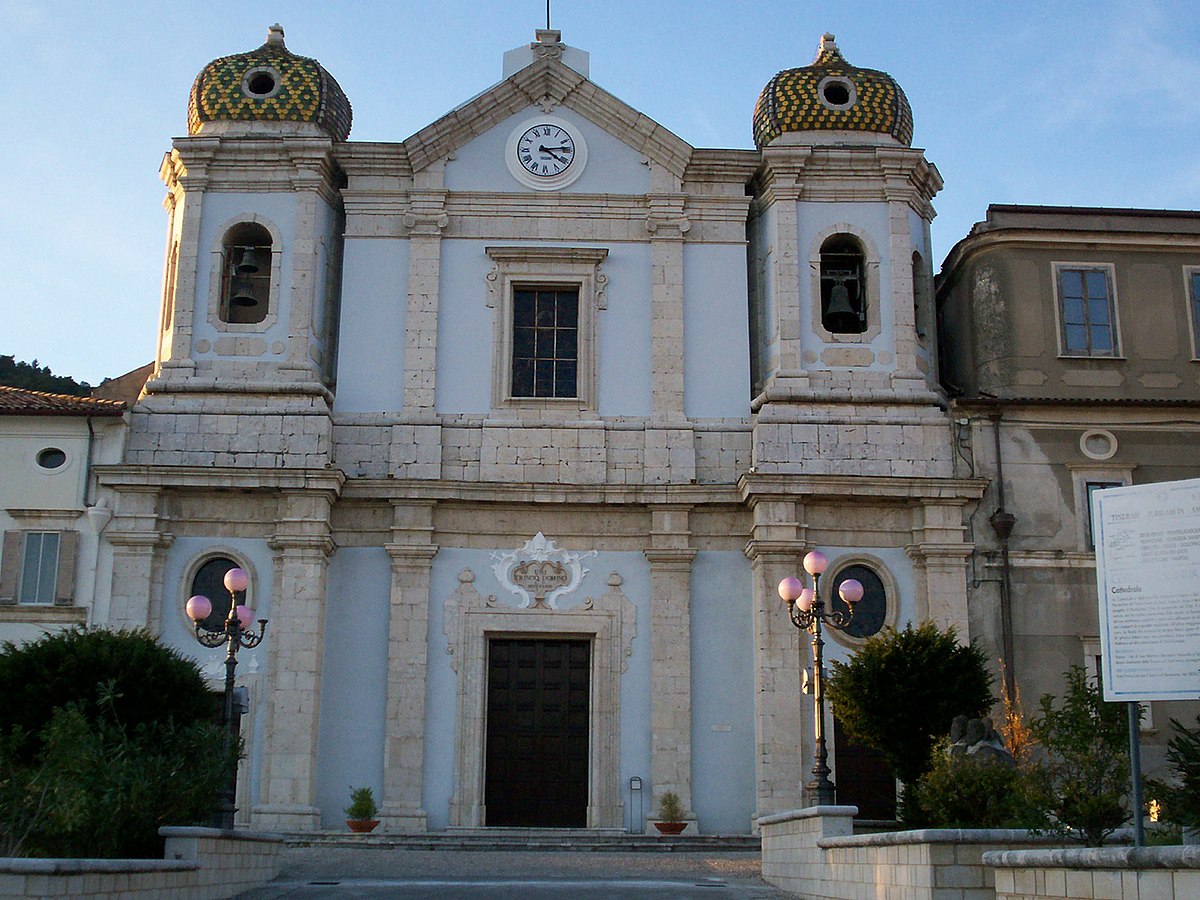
[547, 15]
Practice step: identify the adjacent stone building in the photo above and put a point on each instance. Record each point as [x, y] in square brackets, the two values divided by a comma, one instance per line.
[517, 423]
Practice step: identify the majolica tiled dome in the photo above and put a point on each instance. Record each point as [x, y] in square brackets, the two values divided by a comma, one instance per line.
[832, 95]
[270, 84]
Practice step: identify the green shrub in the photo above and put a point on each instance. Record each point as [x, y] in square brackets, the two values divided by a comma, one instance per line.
[964, 791]
[1181, 802]
[902, 689]
[1083, 782]
[89, 782]
[670, 808]
[150, 683]
[362, 804]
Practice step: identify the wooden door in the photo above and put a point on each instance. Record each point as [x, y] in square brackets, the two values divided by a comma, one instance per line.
[536, 763]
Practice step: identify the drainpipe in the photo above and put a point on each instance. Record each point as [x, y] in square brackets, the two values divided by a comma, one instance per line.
[1002, 523]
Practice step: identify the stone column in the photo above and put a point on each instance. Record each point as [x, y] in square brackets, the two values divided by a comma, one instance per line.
[782, 715]
[425, 220]
[295, 643]
[412, 552]
[136, 597]
[671, 653]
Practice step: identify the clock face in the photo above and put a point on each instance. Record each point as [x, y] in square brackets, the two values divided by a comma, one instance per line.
[546, 153]
[545, 150]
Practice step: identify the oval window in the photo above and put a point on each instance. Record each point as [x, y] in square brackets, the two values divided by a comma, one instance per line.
[870, 613]
[52, 458]
[209, 581]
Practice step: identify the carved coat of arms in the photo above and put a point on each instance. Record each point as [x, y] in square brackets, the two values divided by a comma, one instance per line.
[540, 572]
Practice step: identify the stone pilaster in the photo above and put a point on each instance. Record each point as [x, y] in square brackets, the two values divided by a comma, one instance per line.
[137, 542]
[185, 171]
[782, 191]
[294, 643]
[412, 552]
[670, 647]
[425, 220]
[783, 716]
[308, 180]
[940, 557]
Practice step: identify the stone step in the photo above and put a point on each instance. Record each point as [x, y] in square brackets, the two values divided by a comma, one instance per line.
[540, 839]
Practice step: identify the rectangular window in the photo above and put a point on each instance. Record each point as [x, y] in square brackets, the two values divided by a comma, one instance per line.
[545, 342]
[39, 567]
[1086, 311]
[1092, 487]
[1194, 303]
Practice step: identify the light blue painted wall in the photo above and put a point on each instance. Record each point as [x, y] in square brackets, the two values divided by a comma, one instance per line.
[764, 239]
[371, 333]
[723, 786]
[177, 631]
[442, 682]
[716, 331]
[871, 218]
[353, 679]
[466, 332]
[219, 209]
[612, 166]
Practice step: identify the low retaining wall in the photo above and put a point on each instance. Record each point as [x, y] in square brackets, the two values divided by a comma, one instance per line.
[1120, 873]
[813, 852]
[201, 862]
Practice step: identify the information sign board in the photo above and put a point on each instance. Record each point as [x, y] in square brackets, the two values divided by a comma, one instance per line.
[1147, 540]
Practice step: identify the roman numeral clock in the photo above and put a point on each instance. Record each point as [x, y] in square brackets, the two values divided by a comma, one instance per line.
[546, 153]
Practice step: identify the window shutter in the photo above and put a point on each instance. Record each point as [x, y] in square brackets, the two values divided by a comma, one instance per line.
[64, 586]
[10, 567]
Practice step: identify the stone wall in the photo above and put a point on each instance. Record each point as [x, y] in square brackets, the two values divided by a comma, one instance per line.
[199, 863]
[813, 852]
[1120, 873]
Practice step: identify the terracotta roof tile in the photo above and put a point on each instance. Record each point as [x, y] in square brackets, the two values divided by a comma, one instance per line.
[21, 402]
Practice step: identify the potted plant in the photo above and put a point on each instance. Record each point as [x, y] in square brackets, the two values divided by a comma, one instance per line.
[360, 814]
[671, 814]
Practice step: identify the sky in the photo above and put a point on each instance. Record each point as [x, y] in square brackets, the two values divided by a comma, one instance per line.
[1061, 103]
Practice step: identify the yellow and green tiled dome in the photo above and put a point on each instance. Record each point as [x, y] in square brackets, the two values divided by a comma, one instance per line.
[270, 84]
[832, 95]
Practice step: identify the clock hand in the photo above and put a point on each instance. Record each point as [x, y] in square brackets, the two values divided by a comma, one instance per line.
[549, 152]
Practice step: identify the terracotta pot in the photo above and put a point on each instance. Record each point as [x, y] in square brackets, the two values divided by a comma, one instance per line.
[362, 826]
[670, 827]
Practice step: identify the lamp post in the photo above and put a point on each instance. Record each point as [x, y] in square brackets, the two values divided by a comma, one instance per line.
[235, 634]
[807, 611]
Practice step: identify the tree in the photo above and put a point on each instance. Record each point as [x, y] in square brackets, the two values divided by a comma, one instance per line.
[150, 683]
[902, 689]
[33, 377]
[1183, 753]
[1085, 775]
[117, 738]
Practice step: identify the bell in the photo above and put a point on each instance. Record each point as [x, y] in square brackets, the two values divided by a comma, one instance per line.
[243, 294]
[841, 316]
[248, 264]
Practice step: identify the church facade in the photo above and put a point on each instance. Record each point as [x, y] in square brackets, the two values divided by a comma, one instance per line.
[516, 425]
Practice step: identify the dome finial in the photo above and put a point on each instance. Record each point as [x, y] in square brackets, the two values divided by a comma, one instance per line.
[275, 34]
[829, 41]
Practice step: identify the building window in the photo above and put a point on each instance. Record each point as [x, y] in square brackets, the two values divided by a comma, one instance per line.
[843, 285]
[546, 301]
[1087, 311]
[1193, 278]
[245, 274]
[545, 355]
[209, 581]
[39, 568]
[870, 613]
[1091, 487]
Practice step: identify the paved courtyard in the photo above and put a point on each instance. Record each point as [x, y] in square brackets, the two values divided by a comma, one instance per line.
[338, 872]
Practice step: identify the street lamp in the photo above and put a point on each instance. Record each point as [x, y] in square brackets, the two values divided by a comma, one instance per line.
[807, 611]
[235, 634]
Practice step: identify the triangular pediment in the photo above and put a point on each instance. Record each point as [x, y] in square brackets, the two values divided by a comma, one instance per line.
[548, 84]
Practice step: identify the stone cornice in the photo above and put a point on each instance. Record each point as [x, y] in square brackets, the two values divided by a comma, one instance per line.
[139, 477]
[255, 165]
[526, 492]
[954, 491]
[378, 159]
[676, 558]
[932, 552]
[733, 167]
